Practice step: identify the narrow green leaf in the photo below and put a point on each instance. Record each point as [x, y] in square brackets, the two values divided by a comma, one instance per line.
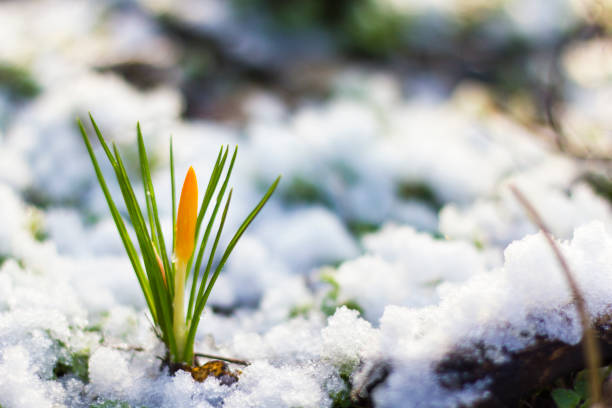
[144, 170]
[125, 238]
[211, 221]
[210, 189]
[109, 155]
[212, 186]
[151, 242]
[230, 247]
[189, 348]
[213, 181]
[201, 302]
[161, 296]
[152, 203]
[173, 188]
[138, 224]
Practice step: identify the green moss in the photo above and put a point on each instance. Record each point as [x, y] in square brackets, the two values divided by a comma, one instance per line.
[373, 29]
[353, 305]
[360, 228]
[96, 328]
[601, 184]
[342, 398]
[76, 364]
[418, 191]
[298, 15]
[565, 398]
[433, 283]
[301, 190]
[301, 310]
[112, 404]
[576, 395]
[330, 303]
[70, 362]
[36, 224]
[18, 82]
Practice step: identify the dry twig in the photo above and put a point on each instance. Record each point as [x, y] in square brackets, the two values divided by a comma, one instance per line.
[591, 350]
[229, 360]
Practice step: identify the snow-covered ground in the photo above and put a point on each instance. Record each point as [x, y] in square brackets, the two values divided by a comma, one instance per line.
[393, 235]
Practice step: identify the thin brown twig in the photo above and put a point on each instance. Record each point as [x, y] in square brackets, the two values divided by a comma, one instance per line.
[229, 360]
[591, 350]
[124, 347]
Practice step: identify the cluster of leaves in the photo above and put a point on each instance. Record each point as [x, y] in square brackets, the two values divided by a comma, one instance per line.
[156, 277]
[366, 26]
[76, 364]
[576, 395]
[18, 82]
[330, 301]
[112, 404]
[71, 362]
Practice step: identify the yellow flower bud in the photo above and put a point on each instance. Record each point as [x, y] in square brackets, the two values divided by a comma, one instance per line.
[186, 218]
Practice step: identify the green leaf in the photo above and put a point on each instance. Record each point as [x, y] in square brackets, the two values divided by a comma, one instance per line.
[173, 188]
[230, 247]
[156, 230]
[210, 189]
[125, 238]
[161, 296]
[149, 235]
[112, 404]
[212, 186]
[565, 398]
[581, 385]
[75, 363]
[161, 303]
[198, 310]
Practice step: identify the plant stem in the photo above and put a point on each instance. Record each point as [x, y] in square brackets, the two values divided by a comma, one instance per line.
[180, 329]
[590, 345]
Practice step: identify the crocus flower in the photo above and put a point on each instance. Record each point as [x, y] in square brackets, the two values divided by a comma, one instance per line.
[183, 249]
[186, 218]
[165, 297]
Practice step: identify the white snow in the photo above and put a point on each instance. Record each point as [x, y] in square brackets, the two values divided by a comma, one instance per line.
[395, 192]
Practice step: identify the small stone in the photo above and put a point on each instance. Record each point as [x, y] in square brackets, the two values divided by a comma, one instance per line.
[218, 369]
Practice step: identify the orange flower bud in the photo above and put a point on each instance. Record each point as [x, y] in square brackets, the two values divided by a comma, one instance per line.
[186, 218]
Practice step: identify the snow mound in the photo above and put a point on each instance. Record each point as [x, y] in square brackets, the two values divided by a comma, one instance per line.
[503, 311]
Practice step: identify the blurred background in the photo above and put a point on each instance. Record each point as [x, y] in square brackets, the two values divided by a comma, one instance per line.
[414, 112]
[543, 63]
[397, 126]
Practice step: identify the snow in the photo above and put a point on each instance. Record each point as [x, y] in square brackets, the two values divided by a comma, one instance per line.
[505, 310]
[21, 386]
[403, 267]
[393, 236]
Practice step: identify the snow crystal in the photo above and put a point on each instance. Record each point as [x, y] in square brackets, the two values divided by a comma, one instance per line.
[347, 339]
[500, 220]
[307, 237]
[379, 154]
[109, 374]
[21, 386]
[505, 309]
[12, 218]
[403, 267]
[263, 385]
[52, 117]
